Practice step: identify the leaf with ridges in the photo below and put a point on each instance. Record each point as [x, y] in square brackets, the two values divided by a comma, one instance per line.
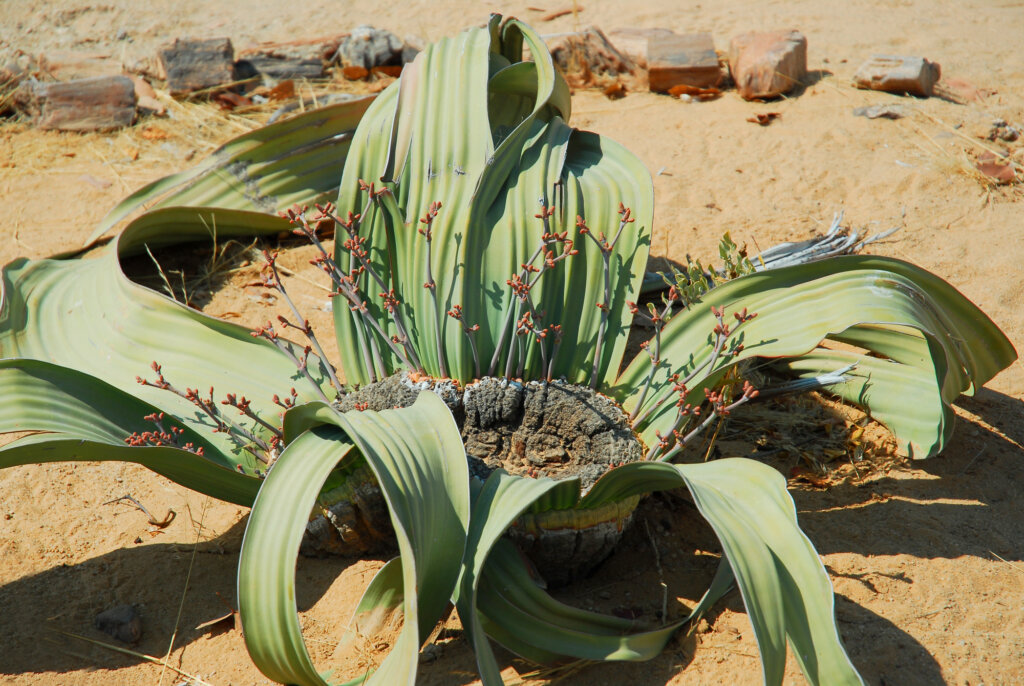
[417, 456]
[86, 419]
[243, 173]
[798, 307]
[87, 315]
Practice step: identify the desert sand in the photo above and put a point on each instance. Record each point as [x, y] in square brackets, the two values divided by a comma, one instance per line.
[926, 557]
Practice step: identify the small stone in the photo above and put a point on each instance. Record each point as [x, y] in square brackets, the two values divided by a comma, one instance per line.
[766, 65]
[368, 47]
[688, 60]
[122, 623]
[880, 112]
[431, 652]
[193, 65]
[998, 171]
[895, 74]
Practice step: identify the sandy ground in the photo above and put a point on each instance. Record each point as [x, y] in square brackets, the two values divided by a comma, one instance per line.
[927, 558]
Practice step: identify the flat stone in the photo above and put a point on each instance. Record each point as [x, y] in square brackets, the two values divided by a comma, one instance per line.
[766, 65]
[195, 65]
[898, 74]
[688, 60]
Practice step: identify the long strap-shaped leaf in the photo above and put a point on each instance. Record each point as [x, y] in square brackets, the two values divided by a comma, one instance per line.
[87, 419]
[298, 160]
[483, 133]
[869, 298]
[87, 315]
[524, 618]
[417, 456]
[783, 583]
[884, 386]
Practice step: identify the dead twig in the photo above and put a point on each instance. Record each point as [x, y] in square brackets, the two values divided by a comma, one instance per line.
[158, 523]
[194, 679]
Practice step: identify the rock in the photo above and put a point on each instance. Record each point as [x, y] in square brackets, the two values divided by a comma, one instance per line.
[97, 104]
[122, 623]
[766, 65]
[146, 98]
[413, 46]
[894, 74]
[368, 47]
[997, 170]
[960, 91]
[274, 68]
[880, 112]
[589, 53]
[633, 42]
[688, 60]
[195, 65]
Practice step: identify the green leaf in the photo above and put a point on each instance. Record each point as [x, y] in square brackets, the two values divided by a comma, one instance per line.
[87, 315]
[491, 165]
[785, 587]
[885, 386]
[885, 305]
[296, 161]
[495, 507]
[417, 456]
[87, 419]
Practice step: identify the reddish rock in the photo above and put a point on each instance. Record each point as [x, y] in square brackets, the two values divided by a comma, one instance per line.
[146, 97]
[688, 60]
[195, 65]
[97, 104]
[765, 65]
[895, 74]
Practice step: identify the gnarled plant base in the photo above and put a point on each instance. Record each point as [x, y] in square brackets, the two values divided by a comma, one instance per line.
[554, 430]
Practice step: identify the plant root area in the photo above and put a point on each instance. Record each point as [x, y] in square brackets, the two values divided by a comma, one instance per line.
[533, 429]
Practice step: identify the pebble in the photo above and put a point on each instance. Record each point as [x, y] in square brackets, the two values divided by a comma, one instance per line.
[122, 623]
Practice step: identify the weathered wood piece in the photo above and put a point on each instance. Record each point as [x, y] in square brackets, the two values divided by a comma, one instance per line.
[688, 60]
[766, 65]
[96, 104]
[277, 68]
[195, 65]
[896, 74]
